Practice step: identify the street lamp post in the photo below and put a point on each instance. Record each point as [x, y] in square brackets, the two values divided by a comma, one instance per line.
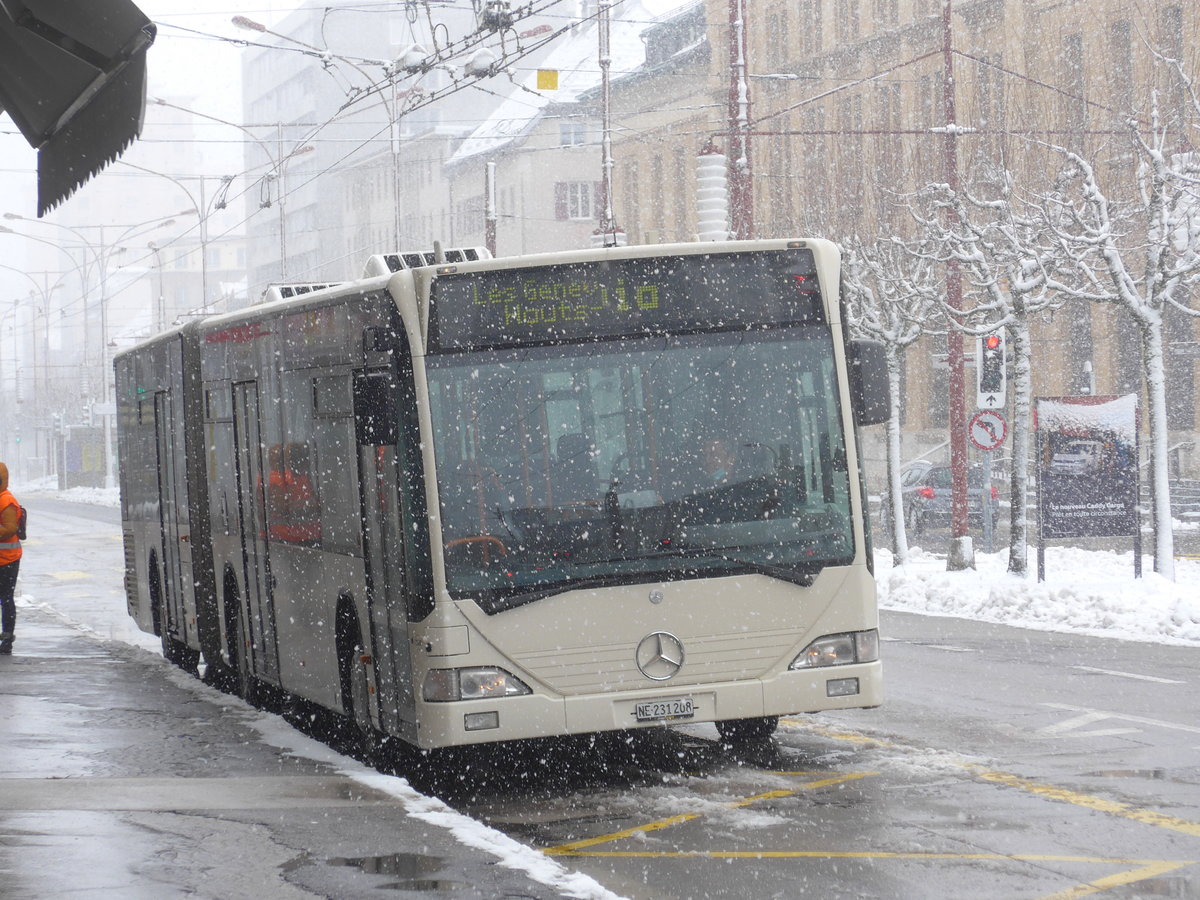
[276, 160]
[201, 210]
[41, 393]
[14, 397]
[160, 303]
[101, 255]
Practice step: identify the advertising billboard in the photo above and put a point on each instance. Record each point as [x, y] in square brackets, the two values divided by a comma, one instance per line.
[1087, 466]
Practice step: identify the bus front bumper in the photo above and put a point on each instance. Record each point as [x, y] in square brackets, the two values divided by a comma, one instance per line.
[539, 716]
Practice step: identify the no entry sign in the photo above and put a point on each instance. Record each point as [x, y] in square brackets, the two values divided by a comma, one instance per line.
[987, 429]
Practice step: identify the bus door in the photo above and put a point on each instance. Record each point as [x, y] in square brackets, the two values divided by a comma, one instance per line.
[377, 430]
[252, 522]
[176, 540]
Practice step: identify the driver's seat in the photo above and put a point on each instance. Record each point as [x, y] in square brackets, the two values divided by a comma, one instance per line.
[574, 469]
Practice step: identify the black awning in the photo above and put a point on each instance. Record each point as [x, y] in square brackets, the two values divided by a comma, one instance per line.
[73, 79]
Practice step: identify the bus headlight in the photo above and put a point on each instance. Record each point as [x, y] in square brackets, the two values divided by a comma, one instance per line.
[475, 683]
[839, 650]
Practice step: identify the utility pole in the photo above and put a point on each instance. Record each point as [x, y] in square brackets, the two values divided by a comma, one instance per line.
[607, 225]
[741, 187]
[961, 554]
[489, 193]
[280, 191]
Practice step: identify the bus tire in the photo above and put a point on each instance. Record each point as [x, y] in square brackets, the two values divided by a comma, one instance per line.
[356, 698]
[173, 651]
[742, 731]
[241, 681]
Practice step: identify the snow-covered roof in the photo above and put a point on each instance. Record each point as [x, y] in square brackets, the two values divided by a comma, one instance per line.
[574, 56]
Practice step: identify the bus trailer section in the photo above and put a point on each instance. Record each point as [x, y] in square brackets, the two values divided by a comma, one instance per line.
[498, 499]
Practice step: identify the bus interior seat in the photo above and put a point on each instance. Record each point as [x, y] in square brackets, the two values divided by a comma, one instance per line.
[754, 460]
[575, 476]
[466, 492]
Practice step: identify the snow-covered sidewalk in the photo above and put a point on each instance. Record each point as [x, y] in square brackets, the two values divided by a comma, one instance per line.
[1086, 591]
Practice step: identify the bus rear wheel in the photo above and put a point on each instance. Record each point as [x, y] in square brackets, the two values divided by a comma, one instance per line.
[356, 691]
[742, 731]
[175, 652]
[239, 678]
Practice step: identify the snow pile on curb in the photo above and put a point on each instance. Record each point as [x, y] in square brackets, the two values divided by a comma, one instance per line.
[1085, 592]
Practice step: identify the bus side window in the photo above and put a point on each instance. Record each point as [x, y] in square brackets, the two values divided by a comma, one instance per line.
[376, 418]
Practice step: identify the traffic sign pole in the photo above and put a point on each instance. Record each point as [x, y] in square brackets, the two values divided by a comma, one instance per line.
[989, 530]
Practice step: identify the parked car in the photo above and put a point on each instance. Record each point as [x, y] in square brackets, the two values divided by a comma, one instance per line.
[1077, 458]
[925, 489]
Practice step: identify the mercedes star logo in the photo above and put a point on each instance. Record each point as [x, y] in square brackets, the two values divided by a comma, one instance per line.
[659, 655]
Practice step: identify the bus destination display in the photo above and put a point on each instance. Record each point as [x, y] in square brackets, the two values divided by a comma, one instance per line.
[607, 298]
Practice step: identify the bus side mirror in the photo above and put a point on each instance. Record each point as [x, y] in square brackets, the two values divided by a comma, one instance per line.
[867, 363]
[376, 416]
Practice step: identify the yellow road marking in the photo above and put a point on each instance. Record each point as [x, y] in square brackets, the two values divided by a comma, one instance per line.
[1150, 869]
[70, 576]
[1089, 801]
[1124, 810]
[848, 737]
[575, 846]
[1143, 868]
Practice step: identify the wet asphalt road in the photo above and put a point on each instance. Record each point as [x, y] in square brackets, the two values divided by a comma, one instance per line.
[122, 777]
[1005, 763]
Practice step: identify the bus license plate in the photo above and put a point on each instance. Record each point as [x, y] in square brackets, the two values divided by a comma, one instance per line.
[667, 708]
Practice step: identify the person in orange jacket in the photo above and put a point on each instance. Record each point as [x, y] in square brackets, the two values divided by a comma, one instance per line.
[10, 561]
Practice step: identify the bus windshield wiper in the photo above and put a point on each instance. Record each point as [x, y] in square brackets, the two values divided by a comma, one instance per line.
[804, 578]
[799, 576]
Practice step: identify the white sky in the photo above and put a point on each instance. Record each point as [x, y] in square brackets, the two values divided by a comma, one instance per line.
[179, 63]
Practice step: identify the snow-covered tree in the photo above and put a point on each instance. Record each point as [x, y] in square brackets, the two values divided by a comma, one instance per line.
[892, 297]
[1143, 256]
[1005, 250]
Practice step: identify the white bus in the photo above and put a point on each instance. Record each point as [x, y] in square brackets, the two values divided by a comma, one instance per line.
[516, 498]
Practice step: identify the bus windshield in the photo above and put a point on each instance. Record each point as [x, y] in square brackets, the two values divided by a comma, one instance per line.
[629, 460]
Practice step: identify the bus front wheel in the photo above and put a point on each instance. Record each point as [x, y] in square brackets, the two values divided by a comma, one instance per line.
[741, 731]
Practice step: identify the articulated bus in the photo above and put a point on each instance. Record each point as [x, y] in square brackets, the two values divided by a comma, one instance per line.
[514, 498]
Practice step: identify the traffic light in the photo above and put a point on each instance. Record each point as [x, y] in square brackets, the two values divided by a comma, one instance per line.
[990, 370]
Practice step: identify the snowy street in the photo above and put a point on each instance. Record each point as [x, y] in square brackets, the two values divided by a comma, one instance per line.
[1007, 762]
[120, 776]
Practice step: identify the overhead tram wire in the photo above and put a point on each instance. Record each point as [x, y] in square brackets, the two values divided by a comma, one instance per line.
[460, 47]
[476, 38]
[430, 98]
[452, 50]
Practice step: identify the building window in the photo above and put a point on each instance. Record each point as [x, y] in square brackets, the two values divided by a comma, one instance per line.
[573, 200]
[886, 13]
[1073, 112]
[572, 133]
[1120, 53]
[810, 27]
[847, 21]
